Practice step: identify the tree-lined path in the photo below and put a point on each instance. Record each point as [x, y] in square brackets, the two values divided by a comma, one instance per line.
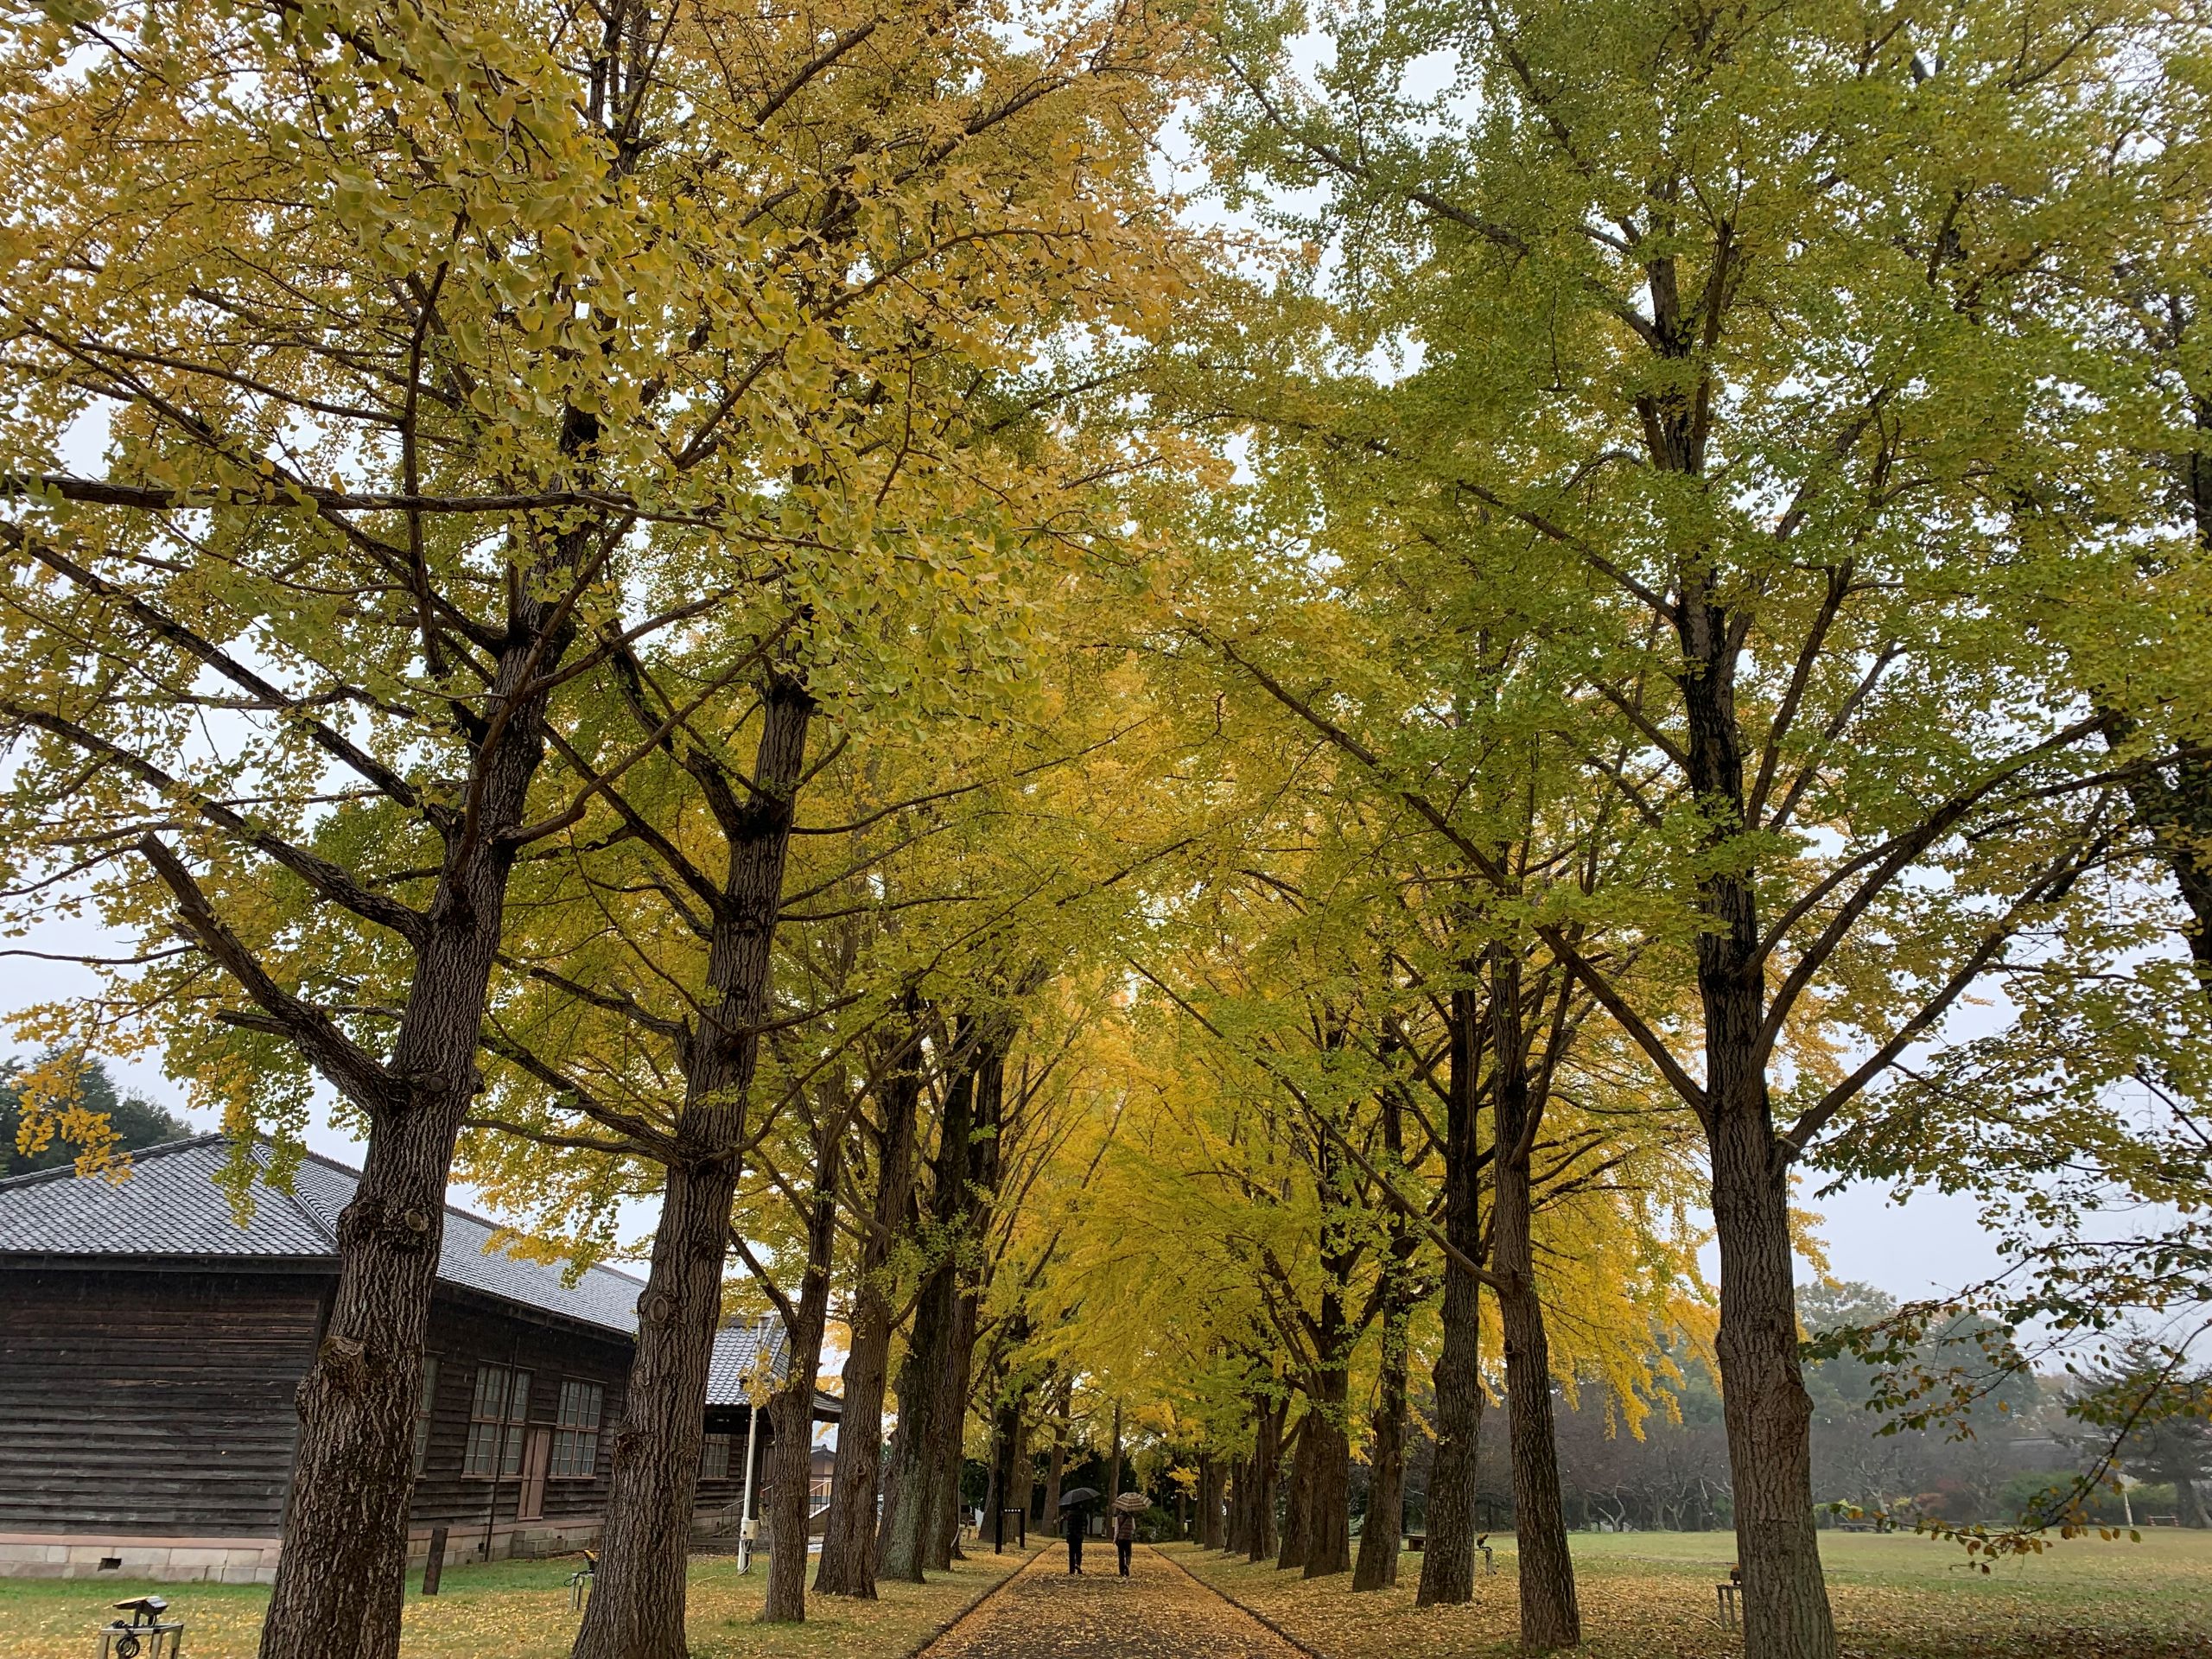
[1159, 1609]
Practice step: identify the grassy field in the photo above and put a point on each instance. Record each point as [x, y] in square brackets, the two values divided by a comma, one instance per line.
[515, 1610]
[1650, 1596]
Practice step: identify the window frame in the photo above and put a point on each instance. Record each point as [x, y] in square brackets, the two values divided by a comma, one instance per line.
[497, 1422]
[711, 1466]
[426, 1411]
[575, 1433]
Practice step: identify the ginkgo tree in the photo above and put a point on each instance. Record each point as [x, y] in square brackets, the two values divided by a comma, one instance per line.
[1731, 345]
[445, 362]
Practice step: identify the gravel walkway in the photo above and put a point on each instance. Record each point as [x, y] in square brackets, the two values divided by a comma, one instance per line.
[1159, 1612]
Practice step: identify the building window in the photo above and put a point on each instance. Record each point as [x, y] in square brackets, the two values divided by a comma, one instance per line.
[714, 1458]
[425, 1403]
[495, 1420]
[576, 1435]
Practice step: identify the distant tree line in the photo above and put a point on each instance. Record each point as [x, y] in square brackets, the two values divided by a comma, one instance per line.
[1866, 1469]
[136, 1121]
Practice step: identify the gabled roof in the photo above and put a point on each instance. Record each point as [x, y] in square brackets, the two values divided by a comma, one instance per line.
[171, 1206]
[741, 1349]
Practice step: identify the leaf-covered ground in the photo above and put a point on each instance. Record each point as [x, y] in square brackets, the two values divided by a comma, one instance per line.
[1156, 1613]
[516, 1610]
[1650, 1596]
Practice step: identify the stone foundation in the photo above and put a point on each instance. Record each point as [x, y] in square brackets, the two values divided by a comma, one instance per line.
[168, 1560]
[253, 1560]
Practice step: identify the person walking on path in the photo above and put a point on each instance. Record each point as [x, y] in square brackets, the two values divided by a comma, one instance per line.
[1075, 1520]
[1125, 1538]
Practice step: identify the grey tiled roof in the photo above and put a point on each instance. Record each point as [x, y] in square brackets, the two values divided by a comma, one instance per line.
[738, 1350]
[170, 1205]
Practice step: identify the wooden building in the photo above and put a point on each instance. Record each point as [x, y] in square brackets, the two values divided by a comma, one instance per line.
[152, 1342]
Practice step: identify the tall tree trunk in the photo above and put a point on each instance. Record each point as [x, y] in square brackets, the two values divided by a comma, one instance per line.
[1056, 1466]
[1327, 1485]
[1209, 1532]
[979, 1192]
[1021, 1483]
[341, 1577]
[636, 1610]
[1328, 1499]
[2174, 808]
[1769, 1415]
[1298, 1511]
[1009, 1408]
[2190, 1503]
[791, 1460]
[847, 1564]
[1550, 1615]
[1113, 1459]
[913, 1488]
[1376, 1568]
[1447, 1567]
[1262, 1538]
[950, 1453]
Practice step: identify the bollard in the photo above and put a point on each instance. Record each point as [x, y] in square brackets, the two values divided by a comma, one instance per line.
[434, 1565]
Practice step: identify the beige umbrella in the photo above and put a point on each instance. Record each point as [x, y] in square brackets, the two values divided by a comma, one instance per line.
[1131, 1502]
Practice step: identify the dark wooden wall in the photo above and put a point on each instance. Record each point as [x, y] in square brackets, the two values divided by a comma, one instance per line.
[468, 1330]
[158, 1403]
[716, 1496]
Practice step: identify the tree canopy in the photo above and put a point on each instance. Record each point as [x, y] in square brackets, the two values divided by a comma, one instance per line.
[1213, 735]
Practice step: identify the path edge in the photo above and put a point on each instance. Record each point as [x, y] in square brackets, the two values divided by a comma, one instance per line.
[1245, 1607]
[974, 1603]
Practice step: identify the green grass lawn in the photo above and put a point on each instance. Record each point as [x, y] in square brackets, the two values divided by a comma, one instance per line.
[1650, 1596]
[514, 1610]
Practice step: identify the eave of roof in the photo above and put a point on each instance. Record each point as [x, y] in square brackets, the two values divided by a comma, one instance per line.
[178, 1214]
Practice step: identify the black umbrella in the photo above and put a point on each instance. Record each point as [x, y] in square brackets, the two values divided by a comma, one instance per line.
[1080, 1495]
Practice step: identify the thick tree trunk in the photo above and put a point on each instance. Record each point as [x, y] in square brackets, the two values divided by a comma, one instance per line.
[1209, 1529]
[1005, 1439]
[2173, 808]
[914, 1487]
[1376, 1568]
[1768, 1412]
[353, 1467]
[1550, 1614]
[1447, 1565]
[950, 1453]
[636, 1610]
[791, 1410]
[847, 1564]
[1328, 1500]
[2190, 1503]
[657, 1446]
[1769, 1415]
[1262, 1538]
[341, 1576]
[1327, 1543]
[1300, 1496]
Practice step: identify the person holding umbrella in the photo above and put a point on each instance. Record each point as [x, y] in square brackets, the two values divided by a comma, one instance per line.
[1071, 1509]
[1125, 1525]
